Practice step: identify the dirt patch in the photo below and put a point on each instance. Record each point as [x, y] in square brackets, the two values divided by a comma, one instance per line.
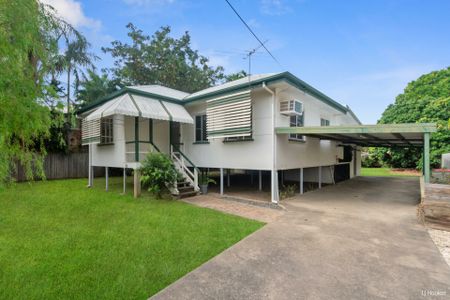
[406, 172]
[442, 240]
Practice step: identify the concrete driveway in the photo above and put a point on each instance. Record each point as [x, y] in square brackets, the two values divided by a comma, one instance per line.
[356, 240]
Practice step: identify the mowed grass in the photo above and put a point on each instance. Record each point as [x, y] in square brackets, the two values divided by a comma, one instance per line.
[61, 240]
[385, 172]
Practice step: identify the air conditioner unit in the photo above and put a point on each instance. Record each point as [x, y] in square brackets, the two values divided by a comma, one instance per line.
[291, 107]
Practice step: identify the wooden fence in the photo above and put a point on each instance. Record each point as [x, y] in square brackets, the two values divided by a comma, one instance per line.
[61, 166]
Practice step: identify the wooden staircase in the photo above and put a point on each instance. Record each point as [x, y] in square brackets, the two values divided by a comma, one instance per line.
[188, 186]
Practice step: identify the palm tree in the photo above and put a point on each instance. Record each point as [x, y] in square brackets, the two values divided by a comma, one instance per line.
[75, 58]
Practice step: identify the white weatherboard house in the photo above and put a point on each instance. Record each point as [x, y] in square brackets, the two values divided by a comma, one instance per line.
[252, 124]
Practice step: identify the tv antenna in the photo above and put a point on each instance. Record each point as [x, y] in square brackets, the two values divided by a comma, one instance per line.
[249, 57]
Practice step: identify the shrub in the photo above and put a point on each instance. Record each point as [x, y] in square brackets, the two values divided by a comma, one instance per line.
[158, 173]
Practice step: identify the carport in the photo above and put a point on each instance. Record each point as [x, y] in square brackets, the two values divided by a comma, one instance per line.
[381, 135]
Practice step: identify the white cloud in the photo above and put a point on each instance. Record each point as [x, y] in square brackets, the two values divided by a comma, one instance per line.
[72, 12]
[274, 7]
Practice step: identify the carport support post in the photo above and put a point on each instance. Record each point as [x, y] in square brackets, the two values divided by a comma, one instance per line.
[320, 177]
[106, 178]
[301, 181]
[221, 181]
[426, 156]
[228, 177]
[260, 179]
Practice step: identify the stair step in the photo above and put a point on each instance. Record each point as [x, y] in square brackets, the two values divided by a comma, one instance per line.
[187, 194]
[185, 188]
[184, 183]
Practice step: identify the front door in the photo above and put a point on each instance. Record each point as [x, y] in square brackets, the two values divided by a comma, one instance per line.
[175, 135]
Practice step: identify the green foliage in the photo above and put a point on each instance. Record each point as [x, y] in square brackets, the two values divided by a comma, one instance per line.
[205, 179]
[288, 191]
[161, 59]
[425, 100]
[235, 76]
[94, 87]
[158, 173]
[24, 121]
[370, 159]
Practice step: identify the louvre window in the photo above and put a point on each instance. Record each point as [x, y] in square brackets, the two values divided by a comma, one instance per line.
[230, 116]
[200, 129]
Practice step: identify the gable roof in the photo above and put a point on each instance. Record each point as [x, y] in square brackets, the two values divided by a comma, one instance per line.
[253, 81]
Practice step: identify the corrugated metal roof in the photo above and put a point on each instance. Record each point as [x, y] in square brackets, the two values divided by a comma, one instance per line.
[230, 85]
[160, 90]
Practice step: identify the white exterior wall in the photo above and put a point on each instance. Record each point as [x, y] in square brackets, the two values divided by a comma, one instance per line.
[248, 155]
[256, 154]
[313, 152]
[123, 130]
[111, 155]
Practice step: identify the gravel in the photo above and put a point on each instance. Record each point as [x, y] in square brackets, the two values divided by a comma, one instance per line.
[442, 240]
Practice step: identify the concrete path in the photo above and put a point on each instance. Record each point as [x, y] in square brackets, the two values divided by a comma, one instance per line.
[355, 240]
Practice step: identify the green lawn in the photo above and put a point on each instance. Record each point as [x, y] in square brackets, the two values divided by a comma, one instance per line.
[385, 172]
[61, 240]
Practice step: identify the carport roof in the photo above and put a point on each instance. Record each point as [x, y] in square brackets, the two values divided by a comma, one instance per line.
[381, 135]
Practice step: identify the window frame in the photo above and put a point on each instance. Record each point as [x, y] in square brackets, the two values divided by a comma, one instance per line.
[203, 129]
[107, 131]
[324, 122]
[295, 137]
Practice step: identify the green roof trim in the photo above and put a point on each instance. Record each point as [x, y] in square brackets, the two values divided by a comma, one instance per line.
[280, 77]
[122, 91]
[285, 76]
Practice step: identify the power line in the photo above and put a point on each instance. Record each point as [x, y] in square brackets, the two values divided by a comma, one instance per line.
[251, 31]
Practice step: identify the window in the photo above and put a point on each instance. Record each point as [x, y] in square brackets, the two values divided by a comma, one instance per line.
[200, 129]
[106, 131]
[296, 121]
[324, 122]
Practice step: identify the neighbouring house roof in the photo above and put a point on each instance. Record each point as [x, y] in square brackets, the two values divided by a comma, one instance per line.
[174, 96]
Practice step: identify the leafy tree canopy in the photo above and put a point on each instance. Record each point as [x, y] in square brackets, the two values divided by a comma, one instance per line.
[235, 76]
[94, 86]
[161, 59]
[425, 100]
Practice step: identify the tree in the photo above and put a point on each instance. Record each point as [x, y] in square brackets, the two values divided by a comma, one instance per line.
[425, 100]
[94, 86]
[75, 57]
[161, 59]
[24, 49]
[235, 76]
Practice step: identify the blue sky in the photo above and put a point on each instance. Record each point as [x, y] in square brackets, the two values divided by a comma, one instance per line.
[360, 53]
